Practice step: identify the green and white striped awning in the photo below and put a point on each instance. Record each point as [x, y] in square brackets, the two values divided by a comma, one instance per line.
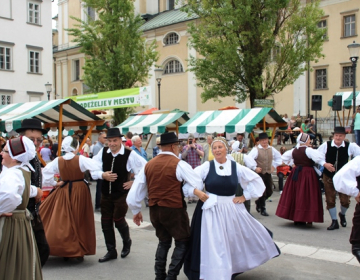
[230, 121]
[47, 112]
[153, 123]
[347, 99]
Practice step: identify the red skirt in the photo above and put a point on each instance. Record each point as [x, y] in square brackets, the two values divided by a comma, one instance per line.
[301, 200]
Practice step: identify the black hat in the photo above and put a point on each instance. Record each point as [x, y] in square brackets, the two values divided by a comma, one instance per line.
[339, 130]
[113, 132]
[263, 135]
[168, 138]
[32, 124]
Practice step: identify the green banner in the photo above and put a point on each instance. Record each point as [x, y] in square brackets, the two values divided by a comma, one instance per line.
[114, 99]
[264, 103]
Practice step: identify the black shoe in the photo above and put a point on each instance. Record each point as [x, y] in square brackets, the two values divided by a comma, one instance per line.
[66, 259]
[264, 213]
[112, 255]
[299, 223]
[160, 260]
[80, 259]
[356, 251]
[343, 222]
[258, 208]
[177, 259]
[334, 225]
[126, 249]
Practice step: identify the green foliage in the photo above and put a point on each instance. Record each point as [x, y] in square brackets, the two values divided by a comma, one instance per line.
[116, 54]
[237, 41]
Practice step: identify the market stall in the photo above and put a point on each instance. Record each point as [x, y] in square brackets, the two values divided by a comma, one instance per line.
[347, 102]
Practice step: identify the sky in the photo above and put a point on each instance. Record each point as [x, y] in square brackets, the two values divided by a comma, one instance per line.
[54, 11]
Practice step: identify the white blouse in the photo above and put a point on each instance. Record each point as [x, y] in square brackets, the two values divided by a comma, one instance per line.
[12, 184]
[251, 182]
[52, 168]
[345, 179]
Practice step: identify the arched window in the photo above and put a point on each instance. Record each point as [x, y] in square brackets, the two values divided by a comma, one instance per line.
[171, 39]
[173, 66]
[74, 92]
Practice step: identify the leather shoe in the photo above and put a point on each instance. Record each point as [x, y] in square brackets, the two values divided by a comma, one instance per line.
[264, 213]
[356, 251]
[257, 206]
[343, 222]
[334, 225]
[111, 255]
[126, 249]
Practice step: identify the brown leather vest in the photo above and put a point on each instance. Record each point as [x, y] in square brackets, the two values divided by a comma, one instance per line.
[264, 159]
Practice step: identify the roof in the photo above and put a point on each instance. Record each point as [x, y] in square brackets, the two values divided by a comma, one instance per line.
[347, 99]
[47, 112]
[230, 121]
[167, 18]
[152, 123]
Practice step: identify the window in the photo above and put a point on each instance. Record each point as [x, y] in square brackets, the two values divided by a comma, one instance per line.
[74, 92]
[275, 51]
[5, 58]
[33, 13]
[349, 25]
[171, 39]
[91, 14]
[5, 99]
[322, 25]
[321, 79]
[5, 11]
[76, 70]
[171, 4]
[173, 66]
[34, 62]
[348, 77]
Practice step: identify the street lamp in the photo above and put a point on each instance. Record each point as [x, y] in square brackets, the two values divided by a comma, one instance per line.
[48, 89]
[158, 74]
[354, 56]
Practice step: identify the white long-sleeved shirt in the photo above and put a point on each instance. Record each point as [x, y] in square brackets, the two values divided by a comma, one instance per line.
[310, 153]
[12, 185]
[53, 168]
[251, 182]
[138, 191]
[354, 149]
[275, 153]
[134, 163]
[345, 179]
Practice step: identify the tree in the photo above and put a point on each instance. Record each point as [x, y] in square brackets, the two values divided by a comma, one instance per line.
[116, 54]
[252, 48]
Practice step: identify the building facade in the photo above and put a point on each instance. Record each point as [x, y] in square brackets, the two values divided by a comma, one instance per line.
[167, 25]
[26, 58]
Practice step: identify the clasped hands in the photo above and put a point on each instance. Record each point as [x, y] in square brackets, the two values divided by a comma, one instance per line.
[111, 177]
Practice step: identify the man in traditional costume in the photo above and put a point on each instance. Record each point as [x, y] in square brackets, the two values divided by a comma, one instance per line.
[32, 129]
[117, 161]
[19, 258]
[266, 157]
[336, 155]
[162, 179]
[347, 181]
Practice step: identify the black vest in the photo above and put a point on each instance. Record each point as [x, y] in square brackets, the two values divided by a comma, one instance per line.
[119, 167]
[333, 153]
[36, 180]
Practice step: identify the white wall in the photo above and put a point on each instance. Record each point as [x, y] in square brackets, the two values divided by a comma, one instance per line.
[20, 33]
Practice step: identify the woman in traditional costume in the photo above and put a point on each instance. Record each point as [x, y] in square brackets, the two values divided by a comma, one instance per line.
[301, 200]
[67, 213]
[225, 239]
[19, 258]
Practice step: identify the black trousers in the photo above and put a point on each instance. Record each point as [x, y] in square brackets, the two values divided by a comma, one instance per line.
[355, 232]
[267, 179]
[98, 193]
[40, 238]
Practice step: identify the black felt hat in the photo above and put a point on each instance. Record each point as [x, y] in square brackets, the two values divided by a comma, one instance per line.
[32, 124]
[168, 138]
[263, 135]
[339, 130]
[113, 132]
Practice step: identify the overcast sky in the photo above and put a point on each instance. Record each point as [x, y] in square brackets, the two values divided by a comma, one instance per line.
[54, 11]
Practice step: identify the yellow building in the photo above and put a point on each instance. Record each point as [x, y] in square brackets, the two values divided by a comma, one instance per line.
[168, 26]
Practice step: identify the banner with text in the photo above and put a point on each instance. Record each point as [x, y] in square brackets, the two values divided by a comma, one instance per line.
[131, 97]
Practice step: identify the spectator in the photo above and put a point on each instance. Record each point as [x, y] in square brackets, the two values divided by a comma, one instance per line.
[192, 153]
[292, 122]
[305, 129]
[137, 146]
[46, 153]
[356, 120]
[98, 146]
[313, 130]
[298, 120]
[54, 150]
[286, 118]
[240, 143]
[128, 137]
[85, 151]
[208, 155]
[156, 149]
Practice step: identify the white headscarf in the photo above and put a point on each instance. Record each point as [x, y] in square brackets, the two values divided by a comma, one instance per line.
[302, 139]
[22, 149]
[66, 145]
[222, 140]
